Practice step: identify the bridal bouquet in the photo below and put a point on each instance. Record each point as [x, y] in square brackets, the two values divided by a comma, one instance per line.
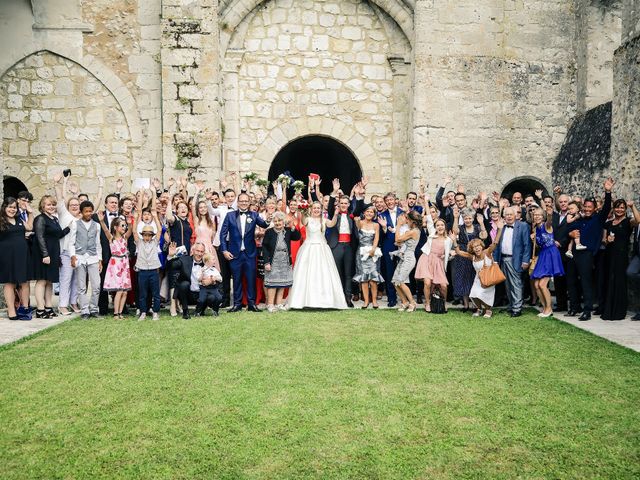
[303, 206]
[250, 177]
[298, 185]
[364, 253]
[261, 182]
[285, 179]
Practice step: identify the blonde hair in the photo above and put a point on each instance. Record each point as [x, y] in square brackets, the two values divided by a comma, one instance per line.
[207, 257]
[44, 199]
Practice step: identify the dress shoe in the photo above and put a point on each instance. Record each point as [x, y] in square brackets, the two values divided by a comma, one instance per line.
[573, 313]
[225, 305]
[85, 316]
[515, 314]
[214, 313]
[392, 304]
[253, 308]
[597, 311]
[585, 316]
[185, 314]
[636, 317]
[349, 303]
[234, 309]
[94, 315]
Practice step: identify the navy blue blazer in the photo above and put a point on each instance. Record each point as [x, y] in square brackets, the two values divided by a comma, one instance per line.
[521, 245]
[389, 238]
[231, 233]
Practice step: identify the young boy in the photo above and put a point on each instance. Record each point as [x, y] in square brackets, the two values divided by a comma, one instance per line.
[86, 257]
[147, 261]
[209, 280]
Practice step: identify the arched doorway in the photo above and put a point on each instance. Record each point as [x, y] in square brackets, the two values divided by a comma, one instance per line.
[11, 186]
[317, 154]
[524, 185]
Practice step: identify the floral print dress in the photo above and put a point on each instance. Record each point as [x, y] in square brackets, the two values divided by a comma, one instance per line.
[117, 278]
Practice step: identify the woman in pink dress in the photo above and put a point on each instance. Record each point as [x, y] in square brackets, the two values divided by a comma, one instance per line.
[432, 265]
[117, 278]
[204, 227]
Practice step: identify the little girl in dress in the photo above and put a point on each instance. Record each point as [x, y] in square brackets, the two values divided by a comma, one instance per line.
[117, 277]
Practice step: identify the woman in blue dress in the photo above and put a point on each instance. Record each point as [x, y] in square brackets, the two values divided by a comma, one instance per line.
[549, 262]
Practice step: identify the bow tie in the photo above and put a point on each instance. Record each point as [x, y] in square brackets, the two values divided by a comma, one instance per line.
[243, 213]
[113, 214]
[201, 264]
[508, 226]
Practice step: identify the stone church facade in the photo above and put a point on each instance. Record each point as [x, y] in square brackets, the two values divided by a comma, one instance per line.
[399, 90]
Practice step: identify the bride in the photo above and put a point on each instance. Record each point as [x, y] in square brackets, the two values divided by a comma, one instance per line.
[316, 282]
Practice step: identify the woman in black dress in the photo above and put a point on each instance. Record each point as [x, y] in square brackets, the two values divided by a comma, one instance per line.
[46, 255]
[616, 238]
[13, 257]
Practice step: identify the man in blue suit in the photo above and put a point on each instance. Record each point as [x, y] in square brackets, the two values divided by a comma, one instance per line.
[514, 254]
[387, 221]
[239, 248]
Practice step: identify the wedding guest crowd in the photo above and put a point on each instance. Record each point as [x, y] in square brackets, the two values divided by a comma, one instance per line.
[243, 243]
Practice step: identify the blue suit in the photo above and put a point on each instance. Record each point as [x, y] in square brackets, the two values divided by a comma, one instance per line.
[243, 263]
[388, 246]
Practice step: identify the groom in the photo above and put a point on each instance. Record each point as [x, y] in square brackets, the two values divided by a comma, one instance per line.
[239, 248]
[343, 237]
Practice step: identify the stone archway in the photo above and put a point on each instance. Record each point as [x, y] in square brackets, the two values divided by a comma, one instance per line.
[318, 154]
[11, 186]
[526, 185]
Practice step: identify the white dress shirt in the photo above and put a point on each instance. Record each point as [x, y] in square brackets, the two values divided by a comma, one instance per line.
[84, 259]
[220, 213]
[243, 227]
[195, 277]
[507, 241]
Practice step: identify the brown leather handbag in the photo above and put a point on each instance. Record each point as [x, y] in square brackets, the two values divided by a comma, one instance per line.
[490, 275]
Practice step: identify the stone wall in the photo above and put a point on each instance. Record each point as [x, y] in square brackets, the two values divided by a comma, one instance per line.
[599, 29]
[311, 61]
[494, 88]
[57, 115]
[625, 147]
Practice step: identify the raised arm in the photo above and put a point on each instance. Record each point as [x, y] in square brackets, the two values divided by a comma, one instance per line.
[100, 193]
[636, 213]
[169, 214]
[103, 225]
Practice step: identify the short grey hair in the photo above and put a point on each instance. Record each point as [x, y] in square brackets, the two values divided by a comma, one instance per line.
[279, 216]
[468, 212]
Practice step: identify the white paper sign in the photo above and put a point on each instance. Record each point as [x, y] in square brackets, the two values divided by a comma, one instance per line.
[140, 183]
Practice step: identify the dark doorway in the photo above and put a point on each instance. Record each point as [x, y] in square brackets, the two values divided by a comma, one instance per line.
[11, 186]
[526, 186]
[322, 155]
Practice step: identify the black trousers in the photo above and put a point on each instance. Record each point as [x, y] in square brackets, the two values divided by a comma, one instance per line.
[185, 296]
[343, 256]
[560, 285]
[225, 271]
[209, 296]
[103, 298]
[581, 273]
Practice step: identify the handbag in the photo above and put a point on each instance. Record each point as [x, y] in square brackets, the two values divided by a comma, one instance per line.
[437, 304]
[491, 275]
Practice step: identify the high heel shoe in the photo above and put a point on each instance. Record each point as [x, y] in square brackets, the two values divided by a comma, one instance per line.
[364, 307]
[75, 308]
[412, 307]
[375, 307]
[50, 312]
[63, 313]
[41, 314]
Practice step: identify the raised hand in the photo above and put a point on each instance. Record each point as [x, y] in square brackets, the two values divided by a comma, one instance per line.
[73, 188]
[208, 194]
[557, 190]
[57, 178]
[183, 182]
[199, 185]
[608, 184]
[630, 203]
[100, 181]
[446, 181]
[171, 182]
[156, 183]
[500, 223]
[496, 197]
[456, 211]
[101, 215]
[460, 188]
[480, 218]
[382, 222]
[364, 182]
[173, 247]
[538, 193]
[475, 204]
[336, 184]
[119, 184]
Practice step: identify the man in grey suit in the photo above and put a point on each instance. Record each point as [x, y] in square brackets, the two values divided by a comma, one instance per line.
[514, 254]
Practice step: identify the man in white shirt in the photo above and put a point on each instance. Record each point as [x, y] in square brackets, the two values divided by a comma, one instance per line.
[85, 250]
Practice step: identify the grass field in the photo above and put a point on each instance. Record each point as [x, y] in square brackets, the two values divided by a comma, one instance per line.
[319, 395]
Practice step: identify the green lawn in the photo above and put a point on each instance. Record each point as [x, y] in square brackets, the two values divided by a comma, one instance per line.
[319, 395]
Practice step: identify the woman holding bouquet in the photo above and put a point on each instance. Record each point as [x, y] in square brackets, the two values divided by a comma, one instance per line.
[368, 257]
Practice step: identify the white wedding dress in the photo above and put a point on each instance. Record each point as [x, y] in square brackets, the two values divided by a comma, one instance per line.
[316, 282]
